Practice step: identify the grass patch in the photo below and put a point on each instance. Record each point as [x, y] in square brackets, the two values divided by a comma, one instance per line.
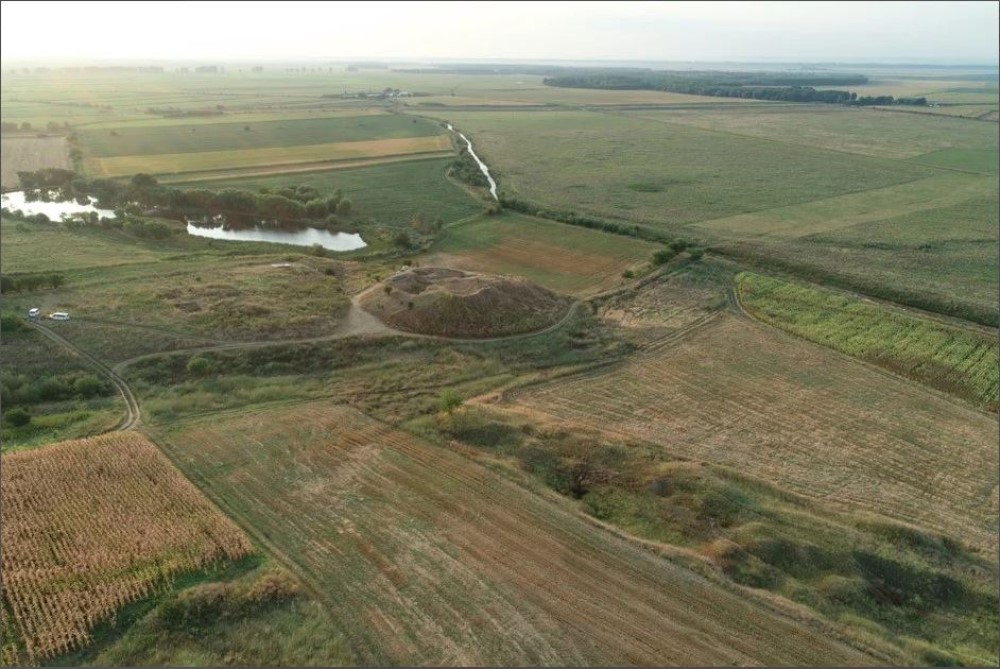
[585, 162]
[973, 160]
[390, 194]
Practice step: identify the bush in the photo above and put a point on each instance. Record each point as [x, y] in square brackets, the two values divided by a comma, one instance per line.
[17, 417]
[663, 256]
[199, 366]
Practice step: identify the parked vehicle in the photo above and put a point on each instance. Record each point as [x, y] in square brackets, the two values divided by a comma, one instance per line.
[59, 316]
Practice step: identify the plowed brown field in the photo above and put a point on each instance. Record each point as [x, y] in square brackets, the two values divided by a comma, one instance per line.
[426, 557]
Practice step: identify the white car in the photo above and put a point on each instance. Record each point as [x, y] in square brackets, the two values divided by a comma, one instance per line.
[59, 316]
[33, 313]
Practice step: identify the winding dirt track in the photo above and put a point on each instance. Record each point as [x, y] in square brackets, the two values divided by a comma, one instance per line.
[132, 417]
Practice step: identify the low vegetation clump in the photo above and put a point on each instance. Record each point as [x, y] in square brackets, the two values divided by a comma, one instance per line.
[956, 360]
[444, 302]
[872, 574]
[91, 526]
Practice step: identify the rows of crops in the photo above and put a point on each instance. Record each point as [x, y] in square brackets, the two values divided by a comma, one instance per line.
[960, 361]
[90, 526]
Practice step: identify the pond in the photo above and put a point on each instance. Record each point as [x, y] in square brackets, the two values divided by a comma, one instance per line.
[54, 210]
[334, 241]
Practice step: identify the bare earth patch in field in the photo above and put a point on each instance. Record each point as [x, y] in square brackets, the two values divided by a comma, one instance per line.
[745, 396]
[90, 526]
[426, 557]
[27, 154]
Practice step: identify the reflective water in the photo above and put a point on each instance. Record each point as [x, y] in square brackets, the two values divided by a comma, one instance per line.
[334, 241]
[54, 210]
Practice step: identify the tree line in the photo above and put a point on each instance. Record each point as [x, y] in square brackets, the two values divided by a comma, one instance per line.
[754, 86]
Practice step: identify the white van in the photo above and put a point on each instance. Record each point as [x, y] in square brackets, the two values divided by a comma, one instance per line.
[33, 313]
[59, 316]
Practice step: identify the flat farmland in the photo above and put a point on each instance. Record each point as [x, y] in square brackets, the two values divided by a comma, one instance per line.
[91, 526]
[216, 160]
[975, 160]
[245, 134]
[31, 247]
[956, 360]
[425, 557]
[944, 259]
[390, 193]
[564, 258]
[762, 402]
[845, 211]
[867, 132]
[27, 154]
[659, 174]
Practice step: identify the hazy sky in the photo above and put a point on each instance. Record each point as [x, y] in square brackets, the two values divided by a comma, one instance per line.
[685, 31]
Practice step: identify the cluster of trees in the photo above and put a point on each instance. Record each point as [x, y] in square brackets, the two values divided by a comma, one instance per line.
[29, 282]
[51, 126]
[886, 100]
[465, 168]
[750, 85]
[25, 390]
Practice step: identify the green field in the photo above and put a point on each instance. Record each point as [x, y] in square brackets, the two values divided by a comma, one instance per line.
[244, 134]
[845, 211]
[390, 194]
[973, 160]
[658, 174]
[962, 362]
[942, 259]
[25, 245]
[563, 258]
[862, 131]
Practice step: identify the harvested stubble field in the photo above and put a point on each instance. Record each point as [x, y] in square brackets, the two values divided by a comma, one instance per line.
[571, 260]
[27, 154]
[173, 163]
[425, 557]
[960, 361]
[783, 410]
[90, 526]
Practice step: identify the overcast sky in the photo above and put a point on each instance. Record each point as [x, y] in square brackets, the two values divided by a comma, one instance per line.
[678, 31]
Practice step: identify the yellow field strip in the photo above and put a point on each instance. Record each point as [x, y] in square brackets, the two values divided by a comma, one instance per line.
[319, 166]
[167, 163]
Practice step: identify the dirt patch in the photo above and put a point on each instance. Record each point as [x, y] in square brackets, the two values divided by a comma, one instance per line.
[452, 303]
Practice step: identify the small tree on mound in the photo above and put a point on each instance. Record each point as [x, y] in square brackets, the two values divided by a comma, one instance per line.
[449, 401]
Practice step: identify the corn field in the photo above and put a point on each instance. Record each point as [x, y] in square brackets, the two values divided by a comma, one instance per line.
[90, 526]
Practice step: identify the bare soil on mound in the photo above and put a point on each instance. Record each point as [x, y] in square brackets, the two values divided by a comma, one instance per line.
[451, 303]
